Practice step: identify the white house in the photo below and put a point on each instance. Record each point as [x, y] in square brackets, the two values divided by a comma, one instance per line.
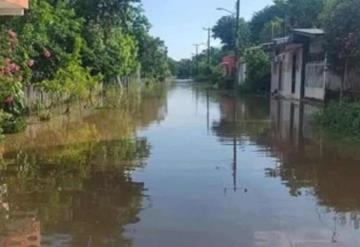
[299, 67]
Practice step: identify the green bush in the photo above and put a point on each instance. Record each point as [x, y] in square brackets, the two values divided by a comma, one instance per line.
[341, 118]
[258, 74]
[2, 118]
[11, 124]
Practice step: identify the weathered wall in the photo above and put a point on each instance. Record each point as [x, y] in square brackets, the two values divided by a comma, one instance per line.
[315, 80]
[285, 59]
[242, 73]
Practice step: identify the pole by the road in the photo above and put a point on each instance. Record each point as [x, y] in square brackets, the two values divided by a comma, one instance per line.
[208, 47]
[237, 44]
[197, 56]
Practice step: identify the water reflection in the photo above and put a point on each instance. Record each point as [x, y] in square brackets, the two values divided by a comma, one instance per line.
[215, 170]
[68, 182]
[308, 163]
[326, 169]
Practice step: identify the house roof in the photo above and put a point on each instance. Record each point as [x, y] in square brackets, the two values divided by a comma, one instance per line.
[309, 31]
[296, 34]
[13, 7]
[281, 40]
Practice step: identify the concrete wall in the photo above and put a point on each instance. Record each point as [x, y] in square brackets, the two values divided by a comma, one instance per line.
[19, 3]
[242, 73]
[284, 62]
[315, 80]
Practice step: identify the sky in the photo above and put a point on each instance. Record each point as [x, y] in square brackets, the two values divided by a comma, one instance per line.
[180, 23]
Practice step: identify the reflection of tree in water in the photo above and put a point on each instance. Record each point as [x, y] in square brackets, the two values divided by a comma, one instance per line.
[326, 173]
[72, 175]
[307, 166]
[315, 165]
[246, 116]
[84, 192]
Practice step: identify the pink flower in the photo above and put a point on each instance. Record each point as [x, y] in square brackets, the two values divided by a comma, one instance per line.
[12, 34]
[16, 68]
[13, 67]
[31, 63]
[47, 53]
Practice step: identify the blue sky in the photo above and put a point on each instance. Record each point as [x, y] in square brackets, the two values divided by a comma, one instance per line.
[180, 22]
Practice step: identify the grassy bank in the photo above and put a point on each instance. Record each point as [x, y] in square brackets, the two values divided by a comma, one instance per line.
[341, 119]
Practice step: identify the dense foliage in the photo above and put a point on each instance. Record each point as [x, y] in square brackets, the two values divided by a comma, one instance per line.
[260, 21]
[225, 31]
[342, 35]
[276, 20]
[67, 47]
[341, 118]
[258, 71]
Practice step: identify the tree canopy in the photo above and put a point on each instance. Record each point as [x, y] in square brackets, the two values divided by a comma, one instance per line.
[342, 34]
[66, 47]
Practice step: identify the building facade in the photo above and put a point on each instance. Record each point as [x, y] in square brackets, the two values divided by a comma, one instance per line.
[13, 7]
[300, 69]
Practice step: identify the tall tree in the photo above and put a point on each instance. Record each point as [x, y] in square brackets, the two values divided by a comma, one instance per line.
[304, 13]
[225, 31]
[261, 19]
[342, 35]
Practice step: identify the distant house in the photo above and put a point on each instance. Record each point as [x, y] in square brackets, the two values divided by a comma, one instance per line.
[13, 7]
[299, 67]
[229, 65]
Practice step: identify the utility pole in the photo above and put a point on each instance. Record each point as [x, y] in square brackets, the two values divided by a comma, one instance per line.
[197, 56]
[208, 47]
[237, 44]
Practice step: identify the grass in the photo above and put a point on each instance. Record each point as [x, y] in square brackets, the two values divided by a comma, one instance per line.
[340, 119]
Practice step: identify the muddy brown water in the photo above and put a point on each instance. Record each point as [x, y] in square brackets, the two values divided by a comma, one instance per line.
[184, 167]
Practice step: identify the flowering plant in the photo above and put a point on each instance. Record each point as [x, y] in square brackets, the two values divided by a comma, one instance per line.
[11, 88]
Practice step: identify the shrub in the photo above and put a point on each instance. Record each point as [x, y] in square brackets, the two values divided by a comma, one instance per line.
[341, 118]
[13, 124]
[258, 71]
[2, 118]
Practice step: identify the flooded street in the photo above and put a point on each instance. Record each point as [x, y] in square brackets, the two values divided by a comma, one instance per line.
[185, 167]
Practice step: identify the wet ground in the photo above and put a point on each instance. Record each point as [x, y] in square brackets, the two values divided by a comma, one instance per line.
[180, 167]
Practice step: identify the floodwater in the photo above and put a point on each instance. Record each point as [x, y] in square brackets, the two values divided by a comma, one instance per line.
[180, 167]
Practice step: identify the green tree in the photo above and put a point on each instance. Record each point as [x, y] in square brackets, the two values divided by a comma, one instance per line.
[258, 71]
[154, 58]
[262, 18]
[304, 13]
[225, 31]
[172, 64]
[342, 36]
[272, 29]
[46, 36]
[184, 69]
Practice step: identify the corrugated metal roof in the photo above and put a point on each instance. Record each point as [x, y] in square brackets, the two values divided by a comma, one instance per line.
[309, 31]
[281, 40]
